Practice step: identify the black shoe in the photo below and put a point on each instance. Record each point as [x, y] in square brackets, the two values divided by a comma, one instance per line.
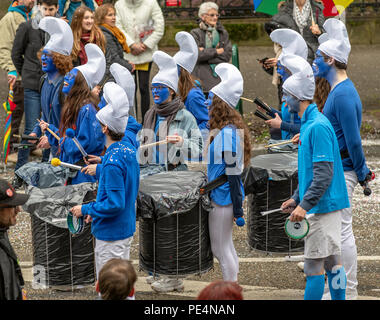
[17, 182]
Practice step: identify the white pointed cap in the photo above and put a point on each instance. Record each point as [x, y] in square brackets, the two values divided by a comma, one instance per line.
[230, 88]
[336, 43]
[187, 55]
[93, 71]
[61, 36]
[301, 83]
[291, 42]
[115, 113]
[125, 80]
[168, 72]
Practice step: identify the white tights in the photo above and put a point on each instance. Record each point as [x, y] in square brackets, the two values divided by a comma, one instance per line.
[220, 223]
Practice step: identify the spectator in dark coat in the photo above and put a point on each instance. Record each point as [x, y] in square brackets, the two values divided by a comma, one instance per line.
[116, 45]
[213, 43]
[303, 16]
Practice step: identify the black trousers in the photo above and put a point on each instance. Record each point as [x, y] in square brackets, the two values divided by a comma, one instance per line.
[142, 82]
[18, 99]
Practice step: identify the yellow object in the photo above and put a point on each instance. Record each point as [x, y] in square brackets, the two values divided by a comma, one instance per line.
[142, 67]
[341, 5]
[55, 162]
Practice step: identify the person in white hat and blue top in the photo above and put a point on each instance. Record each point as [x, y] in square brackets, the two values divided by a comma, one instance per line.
[169, 120]
[113, 215]
[321, 194]
[79, 113]
[291, 42]
[189, 88]
[228, 153]
[343, 108]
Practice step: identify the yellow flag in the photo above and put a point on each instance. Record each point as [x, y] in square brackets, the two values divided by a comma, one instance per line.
[341, 5]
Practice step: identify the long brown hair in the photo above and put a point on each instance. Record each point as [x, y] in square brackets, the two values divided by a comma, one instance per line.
[78, 96]
[96, 35]
[102, 11]
[222, 115]
[322, 90]
[186, 82]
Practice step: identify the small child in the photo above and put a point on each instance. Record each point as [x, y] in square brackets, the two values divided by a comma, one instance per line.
[116, 280]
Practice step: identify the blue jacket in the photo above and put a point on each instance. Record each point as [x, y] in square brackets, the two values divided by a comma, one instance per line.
[72, 7]
[89, 134]
[195, 104]
[51, 108]
[291, 122]
[114, 212]
[344, 110]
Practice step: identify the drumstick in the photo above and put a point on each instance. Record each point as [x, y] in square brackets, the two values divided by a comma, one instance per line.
[153, 144]
[54, 135]
[246, 99]
[312, 18]
[278, 144]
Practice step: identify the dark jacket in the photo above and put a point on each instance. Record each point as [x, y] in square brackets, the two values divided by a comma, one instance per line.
[11, 280]
[209, 56]
[284, 19]
[114, 52]
[27, 43]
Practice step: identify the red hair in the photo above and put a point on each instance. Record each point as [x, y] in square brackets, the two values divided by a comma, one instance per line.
[221, 290]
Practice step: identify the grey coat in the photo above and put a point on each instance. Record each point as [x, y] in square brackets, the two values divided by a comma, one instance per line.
[209, 56]
[284, 19]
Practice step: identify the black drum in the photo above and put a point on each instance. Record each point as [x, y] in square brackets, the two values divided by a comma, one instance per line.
[270, 180]
[173, 224]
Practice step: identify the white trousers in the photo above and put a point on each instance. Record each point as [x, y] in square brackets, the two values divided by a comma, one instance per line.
[349, 252]
[220, 223]
[107, 250]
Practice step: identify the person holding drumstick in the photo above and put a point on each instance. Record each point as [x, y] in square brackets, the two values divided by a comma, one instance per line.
[79, 113]
[229, 150]
[321, 195]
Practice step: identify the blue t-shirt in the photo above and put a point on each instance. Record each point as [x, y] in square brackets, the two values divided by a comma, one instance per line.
[114, 212]
[227, 140]
[318, 143]
[344, 110]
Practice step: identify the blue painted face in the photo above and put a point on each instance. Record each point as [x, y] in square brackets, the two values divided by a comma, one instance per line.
[179, 69]
[160, 93]
[48, 65]
[69, 80]
[208, 102]
[320, 67]
[292, 102]
[282, 72]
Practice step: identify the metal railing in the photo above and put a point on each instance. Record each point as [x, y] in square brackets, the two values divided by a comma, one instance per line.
[243, 9]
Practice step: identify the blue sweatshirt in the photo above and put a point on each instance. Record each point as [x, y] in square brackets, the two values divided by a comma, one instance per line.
[291, 122]
[344, 110]
[195, 104]
[114, 213]
[89, 134]
[51, 109]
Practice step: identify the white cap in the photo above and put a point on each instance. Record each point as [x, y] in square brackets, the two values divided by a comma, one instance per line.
[61, 35]
[187, 55]
[336, 44]
[230, 88]
[291, 42]
[168, 72]
[125, 80]
[115, 113]
[301, 83]
[93, 71]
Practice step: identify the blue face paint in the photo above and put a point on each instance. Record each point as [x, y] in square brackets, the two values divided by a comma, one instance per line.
[282, 72]
[320, 67]
[179, 69]
[69, 80]
[48, 65]
[210, 97]
[160, 93]
[292, 102]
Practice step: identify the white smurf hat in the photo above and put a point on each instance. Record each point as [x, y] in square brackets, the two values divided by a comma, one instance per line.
[187, 55]
[291, 42]
[301, 83]
[125, 80]
[115, 113]
[93, 71]
[61, 35]
[168, 72]
[336, 43]
[230, 88]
